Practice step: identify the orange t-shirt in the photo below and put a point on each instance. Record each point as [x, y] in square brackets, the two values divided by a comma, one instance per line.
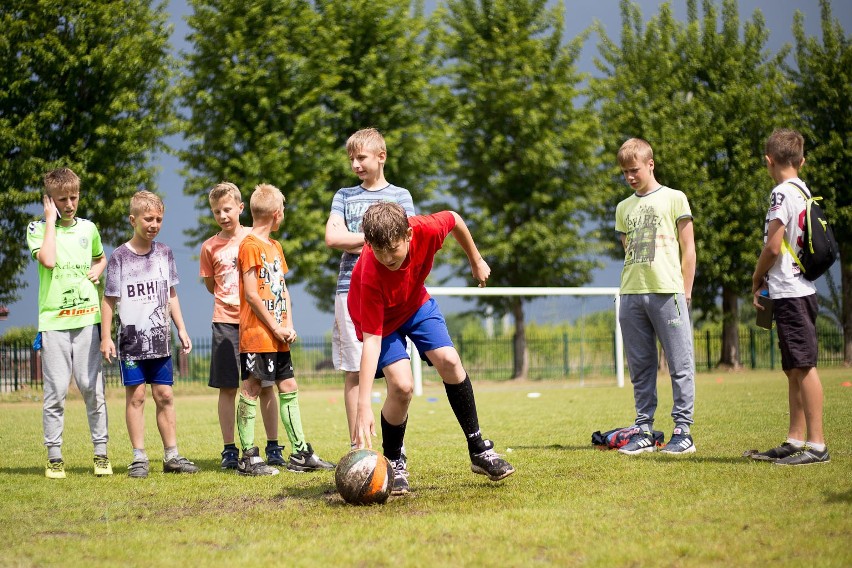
[219, 261]
[267, 260]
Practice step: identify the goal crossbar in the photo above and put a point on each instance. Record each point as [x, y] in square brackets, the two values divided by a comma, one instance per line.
[528, 291]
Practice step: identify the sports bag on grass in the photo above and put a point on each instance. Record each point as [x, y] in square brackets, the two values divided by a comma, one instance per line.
[819, 248]
[613, 439]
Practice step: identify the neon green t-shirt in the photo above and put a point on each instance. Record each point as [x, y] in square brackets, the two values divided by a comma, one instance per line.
[652, 252]
[67, 299]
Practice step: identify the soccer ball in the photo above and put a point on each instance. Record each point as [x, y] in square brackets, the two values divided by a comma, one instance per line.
[364, 477]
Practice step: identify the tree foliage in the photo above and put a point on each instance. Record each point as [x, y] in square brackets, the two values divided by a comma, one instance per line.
[84, 84]
[705, 94]
[524, 152]
[823, 96]
[274, 89]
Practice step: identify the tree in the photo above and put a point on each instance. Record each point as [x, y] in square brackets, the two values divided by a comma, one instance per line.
[705, 98]
[823, 86]
[84, 84]
[524, 152]
[275, 88]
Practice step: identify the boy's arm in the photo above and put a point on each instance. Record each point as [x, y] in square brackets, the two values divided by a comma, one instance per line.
[107, 313]
[47, 253]
[768, 256]
[97, 269]
[365, 422]
[287, 302]
[480, 269]
[339, 237]
[210, 283]
[686, 237]
[177, 317]
[255, 302]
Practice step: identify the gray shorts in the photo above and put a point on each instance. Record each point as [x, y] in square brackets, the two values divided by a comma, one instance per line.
[225, 356]
[345, 347]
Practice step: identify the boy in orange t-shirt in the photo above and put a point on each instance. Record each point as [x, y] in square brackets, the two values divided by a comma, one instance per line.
[266, 332]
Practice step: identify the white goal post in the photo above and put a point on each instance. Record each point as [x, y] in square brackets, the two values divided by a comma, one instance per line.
[416, 365]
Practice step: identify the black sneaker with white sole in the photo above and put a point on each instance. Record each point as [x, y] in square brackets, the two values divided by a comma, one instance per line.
[253, 464]
[680, 443]
[639, 442]
[400, 476]
[805, 456]
[179, 464]
[307, 460]
[274, 455]
[230, 458]
[490, 464]
[786, 449]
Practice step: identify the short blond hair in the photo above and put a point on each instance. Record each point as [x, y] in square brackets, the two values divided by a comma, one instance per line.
[635, 150]
[61, 179]
[786, 147]
[224, 189]
[265, 200]
[385, 224]
[366, 139]
[144, 200]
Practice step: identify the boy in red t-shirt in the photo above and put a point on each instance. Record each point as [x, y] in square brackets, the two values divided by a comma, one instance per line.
[388, 301]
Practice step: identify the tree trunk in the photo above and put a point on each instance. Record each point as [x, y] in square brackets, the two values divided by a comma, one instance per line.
[846, 302]
[521, 360]
[730, 357]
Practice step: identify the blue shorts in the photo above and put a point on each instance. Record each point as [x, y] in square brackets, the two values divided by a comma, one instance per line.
[427, 330]
[147, 371]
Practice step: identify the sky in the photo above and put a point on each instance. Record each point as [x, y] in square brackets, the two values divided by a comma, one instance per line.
[196, 302]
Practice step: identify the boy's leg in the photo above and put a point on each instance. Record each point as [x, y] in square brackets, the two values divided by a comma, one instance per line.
[225, 409]
[56, 369]
[247, 411]
[302, 455]
[394, 420]
[350, 400]
[798, 426]
[346, 357]
[641, 353]
[166, 422]
[88, 372]
[269, 411]
[810, 389]
[134, 415]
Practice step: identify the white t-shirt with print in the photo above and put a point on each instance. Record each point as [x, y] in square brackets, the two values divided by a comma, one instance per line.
[787, 205]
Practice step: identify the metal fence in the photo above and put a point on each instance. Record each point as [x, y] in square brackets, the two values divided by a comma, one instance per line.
[562, 356]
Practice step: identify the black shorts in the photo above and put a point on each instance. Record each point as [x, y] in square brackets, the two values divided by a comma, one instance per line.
[267, 367]
[225, 356]
[796, 322]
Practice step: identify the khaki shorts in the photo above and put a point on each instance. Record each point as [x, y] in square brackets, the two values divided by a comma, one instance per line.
[345, 347]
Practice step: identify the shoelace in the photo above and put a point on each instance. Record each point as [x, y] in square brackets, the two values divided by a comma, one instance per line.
[55, 466]
[101, 461]
[399, 468]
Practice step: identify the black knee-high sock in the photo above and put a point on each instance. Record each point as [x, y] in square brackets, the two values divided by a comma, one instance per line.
[463, 404]
[392, 437]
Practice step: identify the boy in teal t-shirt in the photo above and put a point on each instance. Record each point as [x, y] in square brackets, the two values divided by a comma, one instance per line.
[655, 227]
[70, 262]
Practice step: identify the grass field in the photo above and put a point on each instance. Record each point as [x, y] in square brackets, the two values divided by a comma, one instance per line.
[567, 505]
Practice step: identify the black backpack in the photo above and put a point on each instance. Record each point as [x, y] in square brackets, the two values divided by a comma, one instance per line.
[819, 248]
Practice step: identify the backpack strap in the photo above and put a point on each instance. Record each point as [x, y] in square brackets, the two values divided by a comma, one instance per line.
[785, 245]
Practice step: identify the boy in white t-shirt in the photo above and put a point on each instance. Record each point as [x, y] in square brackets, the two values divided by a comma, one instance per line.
[794, 303]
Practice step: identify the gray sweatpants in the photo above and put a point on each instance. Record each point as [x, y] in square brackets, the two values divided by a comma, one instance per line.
[65, 353]
[644, 318]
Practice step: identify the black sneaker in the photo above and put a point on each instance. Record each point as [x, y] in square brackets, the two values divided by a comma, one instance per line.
[680, 443]
[490, 464]
[253, 464]
[641, 441]
[274, 456]
[805, 456]
[138, 469]
[400, 476]
[307, 460]
[230, 458]
[179, 464]
[784, 450]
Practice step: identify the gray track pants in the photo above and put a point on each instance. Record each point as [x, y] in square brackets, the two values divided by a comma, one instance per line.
[644, 318]
[65, 353]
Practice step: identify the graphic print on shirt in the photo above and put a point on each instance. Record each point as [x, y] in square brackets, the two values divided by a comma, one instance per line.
[230, 276]
[150, 334]
[642, 236]
[273, 276]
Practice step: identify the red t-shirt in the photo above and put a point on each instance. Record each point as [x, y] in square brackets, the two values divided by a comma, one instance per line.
[381, 300]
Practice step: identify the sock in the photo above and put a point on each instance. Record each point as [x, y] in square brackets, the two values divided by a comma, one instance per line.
[392, 436]
[645, 428]
[230, 446]
[271, 444]
[818, 447]
[464, 407]
[246, 413]
[798, 444]
[170, 453]
[291, 417]
[139, 454]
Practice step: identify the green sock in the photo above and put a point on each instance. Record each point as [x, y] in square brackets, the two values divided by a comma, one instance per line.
[291, 417]
[246, 412]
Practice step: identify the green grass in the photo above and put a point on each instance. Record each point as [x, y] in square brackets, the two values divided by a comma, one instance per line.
[567, 505]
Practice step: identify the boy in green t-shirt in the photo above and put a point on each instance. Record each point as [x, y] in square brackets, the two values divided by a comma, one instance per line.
[70, 262]
[655, 227]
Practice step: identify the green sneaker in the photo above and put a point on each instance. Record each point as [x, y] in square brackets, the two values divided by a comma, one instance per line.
[55, 469]
[102, 466]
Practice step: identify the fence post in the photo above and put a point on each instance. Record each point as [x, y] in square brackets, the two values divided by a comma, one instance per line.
[566, 362]
[771, 350]
[752, 348]
[707, 339]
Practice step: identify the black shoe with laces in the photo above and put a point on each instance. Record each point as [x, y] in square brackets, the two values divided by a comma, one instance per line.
[230, 458]
[274, 455]
[307, 460]
[179, 464]
[253, 464]
[805, 456]
[784, 450]
[490, 464]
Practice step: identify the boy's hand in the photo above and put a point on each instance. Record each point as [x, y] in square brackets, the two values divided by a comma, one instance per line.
[107, 349]
[285, 334]
[51, 213]
[185, 341]
[481, 272]
[93, 276]
[365, 428]
[757, 294]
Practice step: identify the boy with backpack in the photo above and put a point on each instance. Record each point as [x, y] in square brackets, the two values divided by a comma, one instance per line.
[779, 270]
